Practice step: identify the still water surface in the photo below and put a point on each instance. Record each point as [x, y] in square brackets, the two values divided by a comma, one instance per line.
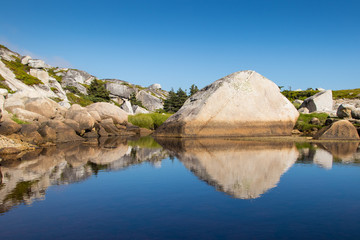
[194, 189]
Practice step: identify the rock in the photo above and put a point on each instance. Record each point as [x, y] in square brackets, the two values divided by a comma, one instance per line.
[315, 121]
[107, 110]
[75, 78]
[91, 134]
[241, 104]
[295, 132]
[73, 124]
[342, 129]
[126, 106]
[25, 60]
[28, 116]
[355, 113]
[36, 63]
[48, 133]
[64, 133]
[320, 89]
[119, 88]
[137, 109]
[329, 121]
[40, 74]
[30, 133]
[95, 115]
[344, 111]
[155, 86]
[149, 101]
[298, 101]
[65, 104]
[303, 110]
[110, 128]
[320, 102]
[8, 127]
[43, 106]
[81, 116]
[4, 92]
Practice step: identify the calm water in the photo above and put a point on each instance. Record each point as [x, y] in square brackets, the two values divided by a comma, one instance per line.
[194, 189]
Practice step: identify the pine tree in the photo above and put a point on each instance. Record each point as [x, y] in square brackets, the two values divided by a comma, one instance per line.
[97, 91]
[193, 89]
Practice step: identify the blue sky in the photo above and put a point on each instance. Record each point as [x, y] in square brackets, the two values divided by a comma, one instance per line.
[295, 43]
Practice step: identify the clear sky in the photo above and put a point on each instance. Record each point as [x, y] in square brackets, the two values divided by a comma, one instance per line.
[295, 43]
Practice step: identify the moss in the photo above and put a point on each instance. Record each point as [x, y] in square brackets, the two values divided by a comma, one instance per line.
[52, 73]
[54, 89]
[20, 72]
[17, 120]
[81, 100]
[149, 120]
[303, 123]
[348, 93]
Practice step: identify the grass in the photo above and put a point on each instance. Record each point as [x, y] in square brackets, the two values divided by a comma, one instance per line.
[303, 123]
[18, 121]
[81, 100]
[348, 93]
[20, 72]
[149, 120]
[52, 73]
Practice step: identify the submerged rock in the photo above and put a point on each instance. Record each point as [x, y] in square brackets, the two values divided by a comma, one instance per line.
[241, 104]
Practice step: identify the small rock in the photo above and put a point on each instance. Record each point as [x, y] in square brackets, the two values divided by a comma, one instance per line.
[25, 60]
[342, 129]
[36, 63]
[355, 113]
[8, 127]
[315, 121]
[344, 111]
[155, 86]
[303, 110]
[298, 101]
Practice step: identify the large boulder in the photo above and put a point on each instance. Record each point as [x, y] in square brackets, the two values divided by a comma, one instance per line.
[40, 74]
[320, 102]
[344, 111]
[342, 129]
[28, 116]
[8, 127]
[75, 78]
[137, 109]
[241, 104]
[36, 63]
[81, 116]
[119, 88]
[108, 110]
[155, 86]
[43, 106]
[149, 101]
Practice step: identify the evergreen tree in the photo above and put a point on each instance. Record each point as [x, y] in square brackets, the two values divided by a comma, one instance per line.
[193, 89]
[169, 103]
[181, 98]
[134, 101]
[97, 91]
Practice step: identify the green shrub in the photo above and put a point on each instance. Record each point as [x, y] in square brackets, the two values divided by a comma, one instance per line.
[97, 91]
[81, 100]
[52, 73]
[72, 89]
[149, 120]
[303, 123]
[20, 72]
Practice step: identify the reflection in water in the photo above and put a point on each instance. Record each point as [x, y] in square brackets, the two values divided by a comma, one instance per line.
[242, 169]
[25, 178]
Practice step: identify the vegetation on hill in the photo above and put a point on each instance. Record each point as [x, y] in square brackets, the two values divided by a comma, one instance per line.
[348, 93]
[149, 120]
[176, 100]
[21, 71]
[301, 95]
[52, 73]
[3, 84]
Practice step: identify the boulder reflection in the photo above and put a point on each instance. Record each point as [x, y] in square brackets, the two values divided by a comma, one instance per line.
[242, 169]
[25, 178]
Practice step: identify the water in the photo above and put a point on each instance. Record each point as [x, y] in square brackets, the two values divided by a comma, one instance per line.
[194, 189]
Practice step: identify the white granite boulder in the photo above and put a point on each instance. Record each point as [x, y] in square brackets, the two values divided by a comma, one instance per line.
[244, 103]
[320, 102]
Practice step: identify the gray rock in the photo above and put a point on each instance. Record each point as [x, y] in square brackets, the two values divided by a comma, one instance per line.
[298, 101]
[107, 110]
[320, 102]
[137, 109]
[344, 111]
[149, 101]
[155, 86]
[76, 78]
[126, 106]
[120, 89]
[244, 103]
[36, 63]
[355, 113]
[25, 60]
